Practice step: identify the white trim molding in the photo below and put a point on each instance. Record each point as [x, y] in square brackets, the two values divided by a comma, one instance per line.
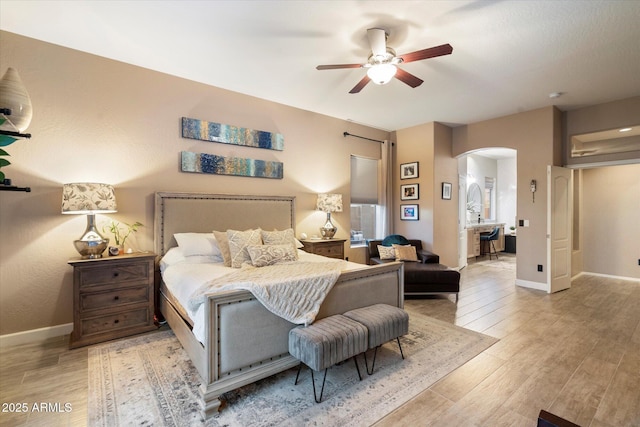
[610, 276]
[35, 335]
[541, 286]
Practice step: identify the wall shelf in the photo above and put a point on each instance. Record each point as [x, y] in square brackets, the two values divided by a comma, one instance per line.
[14, 188]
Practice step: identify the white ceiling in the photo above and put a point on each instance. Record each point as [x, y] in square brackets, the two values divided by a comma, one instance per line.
[508, 56]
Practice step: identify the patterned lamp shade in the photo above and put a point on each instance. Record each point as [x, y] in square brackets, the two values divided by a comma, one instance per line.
[88, 198]
[329, 202]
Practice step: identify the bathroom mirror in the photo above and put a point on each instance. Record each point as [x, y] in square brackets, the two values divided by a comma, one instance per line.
[611, 141]
[474, 200]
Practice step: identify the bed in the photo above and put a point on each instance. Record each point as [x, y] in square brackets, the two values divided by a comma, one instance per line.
[242, 341]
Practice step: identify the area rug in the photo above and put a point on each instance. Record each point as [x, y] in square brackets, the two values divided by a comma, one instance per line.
[149, 380]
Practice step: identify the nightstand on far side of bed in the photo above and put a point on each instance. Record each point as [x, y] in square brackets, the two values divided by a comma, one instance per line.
[113, 297]
[332, 248]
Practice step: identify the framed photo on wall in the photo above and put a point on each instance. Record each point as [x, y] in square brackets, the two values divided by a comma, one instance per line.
[409, 170]
[409, 212]
[409, 192]
[446, 190]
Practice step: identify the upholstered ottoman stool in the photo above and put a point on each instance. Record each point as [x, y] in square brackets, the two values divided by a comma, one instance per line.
[326, 342]
[384, 323]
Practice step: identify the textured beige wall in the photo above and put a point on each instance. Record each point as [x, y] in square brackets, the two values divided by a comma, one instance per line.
[445, 221]
[536, 136]
[430, 145]
[416, 144]
[611, 230]
[105, 121]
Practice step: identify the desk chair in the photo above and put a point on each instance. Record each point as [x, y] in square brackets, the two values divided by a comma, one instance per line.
[490, 238]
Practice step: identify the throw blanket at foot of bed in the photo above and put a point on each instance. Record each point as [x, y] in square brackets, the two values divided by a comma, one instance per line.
[293, 291]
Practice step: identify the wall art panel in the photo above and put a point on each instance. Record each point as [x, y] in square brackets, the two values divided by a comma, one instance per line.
[227, 134]
[219, 165]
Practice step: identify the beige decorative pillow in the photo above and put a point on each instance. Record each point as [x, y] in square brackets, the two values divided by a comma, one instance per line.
[223, 244]
[387, 252]
[263, 255]
[238, 242]
[405, 253]
[283, 237]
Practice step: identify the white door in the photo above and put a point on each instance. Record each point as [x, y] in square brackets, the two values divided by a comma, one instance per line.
[462, 221]
[559, 227]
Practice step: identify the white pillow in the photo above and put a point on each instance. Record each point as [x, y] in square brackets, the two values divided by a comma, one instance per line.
[387, 252]
[238, 242]
[175, 255]
[263, 255]
[198, 244]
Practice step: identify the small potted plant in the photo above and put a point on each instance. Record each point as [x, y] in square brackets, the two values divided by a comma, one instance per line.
[120, 231]
[513, 229]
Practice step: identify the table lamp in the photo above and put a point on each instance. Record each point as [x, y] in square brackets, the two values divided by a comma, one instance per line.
[329, 203]
[89, 198]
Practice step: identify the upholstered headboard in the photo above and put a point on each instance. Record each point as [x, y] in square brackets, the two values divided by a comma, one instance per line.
[201, 213]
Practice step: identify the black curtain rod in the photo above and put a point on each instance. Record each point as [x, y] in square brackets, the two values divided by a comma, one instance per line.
[346, 134]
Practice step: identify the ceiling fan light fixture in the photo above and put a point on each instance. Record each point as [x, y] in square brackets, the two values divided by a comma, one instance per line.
[381, 74]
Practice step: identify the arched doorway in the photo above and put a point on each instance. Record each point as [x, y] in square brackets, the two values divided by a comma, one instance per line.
[488, 197]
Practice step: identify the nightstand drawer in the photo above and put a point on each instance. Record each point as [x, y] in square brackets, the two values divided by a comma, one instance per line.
[331, 251]
[129, 272]
[332, 248]
[113, 298]
[112, 322]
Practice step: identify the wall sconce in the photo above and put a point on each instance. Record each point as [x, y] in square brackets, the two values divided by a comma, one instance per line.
[89, 199]
[329, 203]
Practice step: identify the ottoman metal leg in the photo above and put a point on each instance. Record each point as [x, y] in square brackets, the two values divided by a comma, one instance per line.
[313, 380]
[375, 351]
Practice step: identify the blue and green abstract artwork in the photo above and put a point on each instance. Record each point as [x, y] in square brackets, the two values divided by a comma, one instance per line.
[227, 134]
[219, 165]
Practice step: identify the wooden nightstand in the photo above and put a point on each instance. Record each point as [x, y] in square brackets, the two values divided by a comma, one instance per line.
[113, 297]
[332, 248]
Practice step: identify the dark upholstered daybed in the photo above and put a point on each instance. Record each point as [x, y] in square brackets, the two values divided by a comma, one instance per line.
[424, 277]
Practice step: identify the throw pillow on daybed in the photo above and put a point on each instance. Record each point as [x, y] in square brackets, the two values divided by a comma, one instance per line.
[395, 239]
[387, 252]
[405, 253]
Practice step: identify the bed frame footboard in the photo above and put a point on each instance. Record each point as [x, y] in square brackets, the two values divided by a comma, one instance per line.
[246, 342]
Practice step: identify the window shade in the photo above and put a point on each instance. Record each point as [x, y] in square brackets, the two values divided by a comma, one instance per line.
[364, 180]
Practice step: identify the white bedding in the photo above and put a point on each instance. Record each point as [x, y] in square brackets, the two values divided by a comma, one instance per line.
[185, 275]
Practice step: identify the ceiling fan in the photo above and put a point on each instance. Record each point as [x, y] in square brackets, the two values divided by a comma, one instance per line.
[382, 64]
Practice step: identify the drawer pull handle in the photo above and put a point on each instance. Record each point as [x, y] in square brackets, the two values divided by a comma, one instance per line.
[116, 321]
[116, 298]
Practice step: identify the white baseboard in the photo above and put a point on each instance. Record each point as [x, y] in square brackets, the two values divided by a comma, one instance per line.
[35, 335]
[610, 276]
[532, 285]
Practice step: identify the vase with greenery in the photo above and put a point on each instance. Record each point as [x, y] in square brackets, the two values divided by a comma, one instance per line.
[120, 231]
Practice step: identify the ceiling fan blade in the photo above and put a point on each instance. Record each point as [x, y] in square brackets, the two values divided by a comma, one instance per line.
[362, 83]
[431, 52]
[408, 78]
[337, 66]
[378, 41]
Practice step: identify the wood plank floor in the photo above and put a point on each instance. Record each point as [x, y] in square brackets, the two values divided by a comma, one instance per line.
[575, 354]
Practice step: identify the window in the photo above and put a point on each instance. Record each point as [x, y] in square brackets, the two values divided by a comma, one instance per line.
[365, 210]
[489, 198]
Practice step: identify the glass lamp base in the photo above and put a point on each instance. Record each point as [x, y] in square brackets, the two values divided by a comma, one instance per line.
[328, 230]
[91, 244]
